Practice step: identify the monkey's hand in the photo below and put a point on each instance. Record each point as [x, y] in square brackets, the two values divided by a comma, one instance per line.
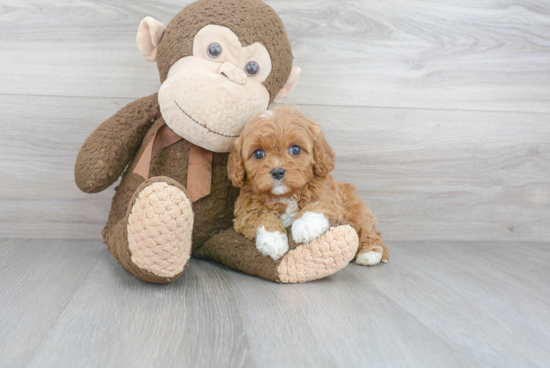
[109, 149]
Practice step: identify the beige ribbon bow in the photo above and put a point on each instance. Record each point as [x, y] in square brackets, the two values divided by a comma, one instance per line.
[199, 174]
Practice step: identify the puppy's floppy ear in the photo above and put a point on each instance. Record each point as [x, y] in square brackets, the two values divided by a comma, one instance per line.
[323, 155]
[235, 166]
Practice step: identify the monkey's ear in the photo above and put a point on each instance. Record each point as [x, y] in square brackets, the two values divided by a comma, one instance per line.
[289, 85]
[235, 166]
[148, 37]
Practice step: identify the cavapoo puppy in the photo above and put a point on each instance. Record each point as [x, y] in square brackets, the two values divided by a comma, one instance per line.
[282, 163]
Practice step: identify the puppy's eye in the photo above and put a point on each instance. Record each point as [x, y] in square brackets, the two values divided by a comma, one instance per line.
[259, 154]
[214, 50]
[252, 68]
[295, 150]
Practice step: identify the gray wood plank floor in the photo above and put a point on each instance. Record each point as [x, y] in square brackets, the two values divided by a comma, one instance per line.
[66, 303]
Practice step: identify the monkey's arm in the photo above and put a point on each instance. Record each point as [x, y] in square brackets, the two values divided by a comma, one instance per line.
[304, 262]
[113, 144]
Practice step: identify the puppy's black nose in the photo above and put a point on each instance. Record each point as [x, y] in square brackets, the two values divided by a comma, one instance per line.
[278, 173]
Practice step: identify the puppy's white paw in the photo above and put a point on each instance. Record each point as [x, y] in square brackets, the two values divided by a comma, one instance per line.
[369, 258]
[310, 226]
[273, 244]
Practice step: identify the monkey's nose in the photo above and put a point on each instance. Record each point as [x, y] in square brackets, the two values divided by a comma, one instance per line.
[278, 173]
[233, 73]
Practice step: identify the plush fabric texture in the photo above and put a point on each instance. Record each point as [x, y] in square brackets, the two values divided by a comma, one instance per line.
[150, 215]
[304, 262]
[149, 34]
[320, 257]
[213, 213]
[116, 236]
[113, 144]
[238, 55]
[251, 20]
[159, 229]
[165, 137]
[199, 177]
[207, 108]
[213, 236]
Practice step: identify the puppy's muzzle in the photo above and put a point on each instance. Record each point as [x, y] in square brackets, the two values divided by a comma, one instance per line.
[278, 173]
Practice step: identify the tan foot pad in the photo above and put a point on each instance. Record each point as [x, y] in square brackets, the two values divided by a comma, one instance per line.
[320, 257]
[159, 229]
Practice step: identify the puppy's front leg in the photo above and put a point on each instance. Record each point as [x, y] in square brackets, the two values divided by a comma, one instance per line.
[271, 243]
[267, 229]
[309, 224]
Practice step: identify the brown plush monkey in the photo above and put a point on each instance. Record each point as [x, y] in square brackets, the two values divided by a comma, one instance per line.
[220, 63]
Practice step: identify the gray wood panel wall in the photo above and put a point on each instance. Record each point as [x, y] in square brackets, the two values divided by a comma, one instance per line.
[438, 110]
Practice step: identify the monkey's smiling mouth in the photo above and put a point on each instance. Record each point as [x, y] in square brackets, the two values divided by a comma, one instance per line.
[204, 126]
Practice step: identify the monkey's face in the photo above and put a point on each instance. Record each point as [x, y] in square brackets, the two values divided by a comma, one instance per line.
[220, 63]
[208, 97]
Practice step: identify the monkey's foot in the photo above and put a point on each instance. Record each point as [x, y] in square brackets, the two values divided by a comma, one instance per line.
[320, 257]
[160, 227]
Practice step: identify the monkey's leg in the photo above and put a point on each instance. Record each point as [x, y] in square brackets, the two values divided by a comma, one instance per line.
[153, 238]
[319, 258]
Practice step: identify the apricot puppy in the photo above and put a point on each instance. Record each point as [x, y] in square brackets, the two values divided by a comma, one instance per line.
[282, 163]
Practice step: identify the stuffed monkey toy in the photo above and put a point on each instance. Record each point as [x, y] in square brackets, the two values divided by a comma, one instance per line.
[220, 63]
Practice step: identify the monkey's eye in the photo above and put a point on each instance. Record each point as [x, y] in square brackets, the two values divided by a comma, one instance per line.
[214, 50]
[295, 150]
[252, 68]
[259, 154]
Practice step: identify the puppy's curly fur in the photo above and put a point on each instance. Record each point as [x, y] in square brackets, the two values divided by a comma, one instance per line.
[282, 185]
